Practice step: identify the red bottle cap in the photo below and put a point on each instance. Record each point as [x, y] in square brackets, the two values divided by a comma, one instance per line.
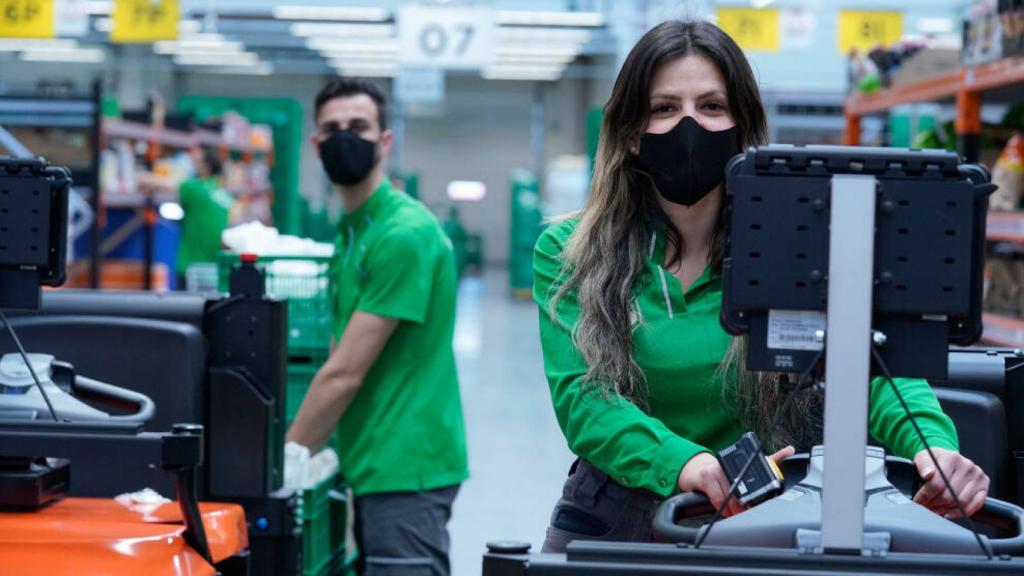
[249, 257]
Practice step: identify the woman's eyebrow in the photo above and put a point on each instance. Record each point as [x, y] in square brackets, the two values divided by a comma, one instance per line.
[713, 94]
[661, 96]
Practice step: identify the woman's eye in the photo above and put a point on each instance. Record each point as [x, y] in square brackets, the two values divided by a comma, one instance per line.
[714, 106]
[662, 109]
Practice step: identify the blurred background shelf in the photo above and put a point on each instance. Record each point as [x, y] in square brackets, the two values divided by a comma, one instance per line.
[1003, 330]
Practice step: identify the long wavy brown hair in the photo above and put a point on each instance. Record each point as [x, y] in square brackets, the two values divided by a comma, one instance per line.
[605, 257]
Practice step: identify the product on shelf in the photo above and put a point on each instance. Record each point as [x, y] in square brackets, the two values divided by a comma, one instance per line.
[1008, 175]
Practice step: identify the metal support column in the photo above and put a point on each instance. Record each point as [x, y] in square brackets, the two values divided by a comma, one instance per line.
[848, 361]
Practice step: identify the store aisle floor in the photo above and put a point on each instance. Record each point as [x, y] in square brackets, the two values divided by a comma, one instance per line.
[517, 455]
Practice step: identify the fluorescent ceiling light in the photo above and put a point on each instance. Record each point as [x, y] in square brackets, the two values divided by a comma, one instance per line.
[547, 35]
[78, 55]
[531, 18]
[19, 44]
[331, 13]
[214, 59]
[307, 29]
[259, 69]
[550, 51]
[99, 7]
[527, 67]
[359, 57]
[466, 190]
[355, 44]
[185, 27]
[523, 72]
[170, 47]
[356, 64]
[761, 3]
[935, 25]
[501, 75]
[534, 59]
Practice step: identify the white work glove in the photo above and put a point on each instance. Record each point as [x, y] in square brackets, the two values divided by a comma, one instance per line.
[296, 465]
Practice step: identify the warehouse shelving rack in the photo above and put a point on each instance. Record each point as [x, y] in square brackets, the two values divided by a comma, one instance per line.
[1001, 81]
[154, 189]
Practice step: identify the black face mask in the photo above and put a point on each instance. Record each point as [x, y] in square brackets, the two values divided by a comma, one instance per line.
[688, 161]
[347, 158]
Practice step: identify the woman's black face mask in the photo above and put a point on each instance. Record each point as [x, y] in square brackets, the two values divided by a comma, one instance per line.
[347, 158]
[687, 162]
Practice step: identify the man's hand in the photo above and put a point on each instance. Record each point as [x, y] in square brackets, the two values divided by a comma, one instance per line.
[968, 480]
[704, 474]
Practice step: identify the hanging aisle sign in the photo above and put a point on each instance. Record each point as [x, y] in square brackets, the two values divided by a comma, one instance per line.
[865, 30]
[144, 21]
[27, 19]
[753, 29]
[445, 37]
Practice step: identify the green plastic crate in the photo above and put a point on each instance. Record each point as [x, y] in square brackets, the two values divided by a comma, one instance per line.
[304, 281]
[317, 553]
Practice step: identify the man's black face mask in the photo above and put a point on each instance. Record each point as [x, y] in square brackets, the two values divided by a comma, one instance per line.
[687, 162]
[347, 158]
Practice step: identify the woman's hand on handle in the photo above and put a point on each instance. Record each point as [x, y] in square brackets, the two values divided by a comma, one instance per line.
[703, 473]
[968, 480]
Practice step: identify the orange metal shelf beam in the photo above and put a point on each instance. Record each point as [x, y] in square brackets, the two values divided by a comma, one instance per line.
[936, 88]
[965, 84]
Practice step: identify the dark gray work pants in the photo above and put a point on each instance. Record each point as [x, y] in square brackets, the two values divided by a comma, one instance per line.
[404, 533]
[595, 507]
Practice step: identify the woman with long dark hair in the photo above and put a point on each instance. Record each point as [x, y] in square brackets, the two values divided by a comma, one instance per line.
[645, 382]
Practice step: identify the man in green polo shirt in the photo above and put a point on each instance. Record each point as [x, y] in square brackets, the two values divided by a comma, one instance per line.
[389, 387]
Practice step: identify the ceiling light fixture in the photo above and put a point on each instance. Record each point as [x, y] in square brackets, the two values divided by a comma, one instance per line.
[309, 29]
[215, 59]
[331, 13]
[77, 55]
[548, 18]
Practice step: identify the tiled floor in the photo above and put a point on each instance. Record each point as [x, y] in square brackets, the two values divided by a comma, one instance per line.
[517, 455]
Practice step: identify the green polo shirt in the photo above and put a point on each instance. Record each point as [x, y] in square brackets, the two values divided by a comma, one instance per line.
[207, 209]
[678, 343]
[404, 429]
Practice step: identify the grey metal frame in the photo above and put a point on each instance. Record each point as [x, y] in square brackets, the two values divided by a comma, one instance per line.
[848, 355]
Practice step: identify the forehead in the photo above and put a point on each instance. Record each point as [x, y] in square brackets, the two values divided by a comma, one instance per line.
[344, 109]
[690, 75]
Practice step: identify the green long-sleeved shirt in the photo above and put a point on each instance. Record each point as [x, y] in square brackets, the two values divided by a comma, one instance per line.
[678, 344]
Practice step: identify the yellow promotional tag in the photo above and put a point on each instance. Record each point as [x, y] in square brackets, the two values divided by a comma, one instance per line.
[755, 30]
[865, 30]
[27, 19]
[144, 21]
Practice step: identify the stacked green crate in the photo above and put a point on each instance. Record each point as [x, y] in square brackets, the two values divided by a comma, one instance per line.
[304, 282]
[525, 228]
[325, 518]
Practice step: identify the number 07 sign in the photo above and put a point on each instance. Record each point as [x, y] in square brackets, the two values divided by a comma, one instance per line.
[442, 37]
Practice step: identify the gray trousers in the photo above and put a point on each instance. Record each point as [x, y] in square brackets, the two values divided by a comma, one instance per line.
[404, 533]
[595, 507]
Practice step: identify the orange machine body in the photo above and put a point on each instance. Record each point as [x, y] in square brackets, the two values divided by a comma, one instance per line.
[102, 536]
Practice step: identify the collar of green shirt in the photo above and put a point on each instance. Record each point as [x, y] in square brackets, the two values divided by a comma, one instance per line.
[656, 256]
[371, 208]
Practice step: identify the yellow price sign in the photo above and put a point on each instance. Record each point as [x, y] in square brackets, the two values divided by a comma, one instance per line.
[27, 19]
[752, 28]
[865, 30]
[143, 21]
